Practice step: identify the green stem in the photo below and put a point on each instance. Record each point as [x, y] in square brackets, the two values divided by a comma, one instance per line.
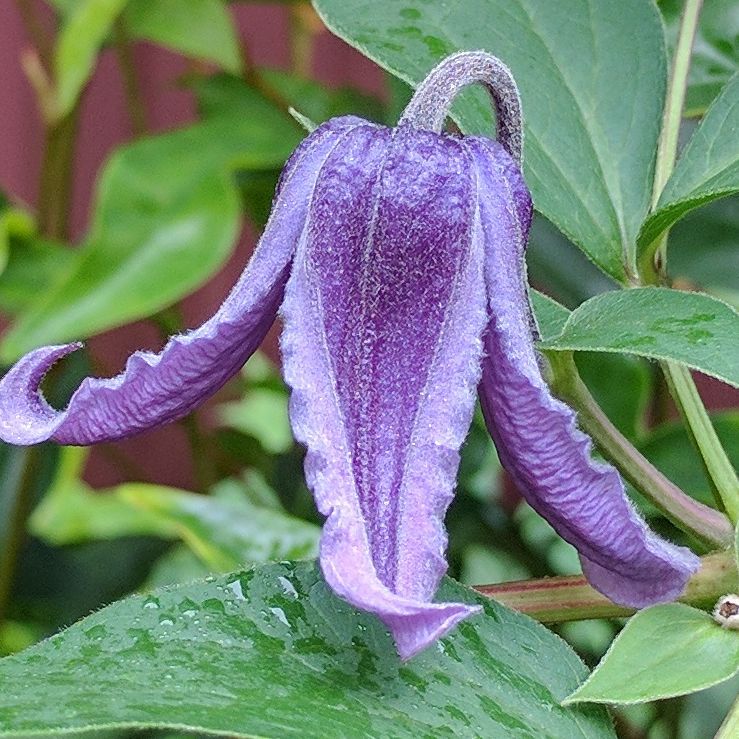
[55, 189]
[720, 471]
[667, 148]
[706, 524]
[729, 729]
[558, 599]
[654, 260]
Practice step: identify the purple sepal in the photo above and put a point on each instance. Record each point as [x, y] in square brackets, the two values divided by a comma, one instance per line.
[383, 316]
[536, 435]
[155, 389]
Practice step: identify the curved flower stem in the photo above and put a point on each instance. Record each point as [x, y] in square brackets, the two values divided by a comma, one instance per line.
[706, 524]
[430, 104]
[558, 599]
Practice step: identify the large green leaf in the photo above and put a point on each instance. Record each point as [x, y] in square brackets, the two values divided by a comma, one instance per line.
[271, 652]
[715, 56]
[708, 167]
[691, 328]
[83, 32]
[166, 217]
[199, 28]
[687, 651]
[592, 80]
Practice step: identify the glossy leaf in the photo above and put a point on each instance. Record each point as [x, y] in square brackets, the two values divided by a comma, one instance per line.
[588, 95]
[688, 651]
[271, 652]
[85, 28]
[166, 217]
[708, 167]
[715, 56]
[198, 28]
[691, 328]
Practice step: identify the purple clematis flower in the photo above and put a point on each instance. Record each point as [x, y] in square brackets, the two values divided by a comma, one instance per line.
[397, 256]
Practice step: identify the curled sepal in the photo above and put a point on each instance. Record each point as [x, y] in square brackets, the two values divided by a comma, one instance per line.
[538, 441]
[158, 388]
[383, 316]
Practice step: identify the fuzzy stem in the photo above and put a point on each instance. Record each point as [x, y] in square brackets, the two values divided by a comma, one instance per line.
[558, 599]
[706, 524]
[430, 104]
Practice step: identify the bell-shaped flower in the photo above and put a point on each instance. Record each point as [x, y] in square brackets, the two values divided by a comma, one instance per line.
[397, 256]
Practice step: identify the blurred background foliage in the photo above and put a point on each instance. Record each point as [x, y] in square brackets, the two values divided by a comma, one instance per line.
[184, 165]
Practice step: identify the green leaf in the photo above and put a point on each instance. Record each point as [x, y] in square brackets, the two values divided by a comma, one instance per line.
[708, 167]
[166, 217]
[688, 651]
[262, 414]
[592, 80]
[715, 55]
[83, 32]
[33, 266]
[14, 224]
[318, 102]
[691, 328]
[224, 529]
[178, 565]
[550, 315]
[272, 652]
[198, 28]
[72, 512]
